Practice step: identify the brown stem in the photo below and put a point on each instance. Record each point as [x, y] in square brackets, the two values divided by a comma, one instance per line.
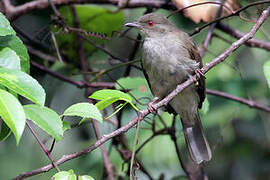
[235, 13]
[85, 67]
[250, 103]
[79, 84]
[211, 30]
[253, 42]
[13, 12]
[161, 103]
[42, 145]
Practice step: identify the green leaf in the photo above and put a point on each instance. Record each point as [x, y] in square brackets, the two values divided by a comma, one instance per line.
[9, 59]
[5, 28]
[138, 87]
[46, 119]
[11, 111]
[266, 70]
[109, 96]
[65, 175]
[22, 84]
[66, 126]
[105, 103]
[93, 18]
[110, 93]
[85, 110]
[4, 131]
[14, 43]
[205, 107]
[85, 177]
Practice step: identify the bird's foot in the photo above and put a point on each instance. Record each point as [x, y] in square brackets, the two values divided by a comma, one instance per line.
[199, 73]
[151, 108]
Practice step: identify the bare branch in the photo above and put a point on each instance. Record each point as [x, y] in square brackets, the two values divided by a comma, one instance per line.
[46, 151]
[84, 68]
[13, 12]
[250, 103]
[79, 84]
[238, 34]
[161, 103]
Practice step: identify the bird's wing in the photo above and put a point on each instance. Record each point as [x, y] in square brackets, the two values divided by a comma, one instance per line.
[194, 54]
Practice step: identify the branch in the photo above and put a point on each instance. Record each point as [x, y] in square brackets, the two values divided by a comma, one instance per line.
[79, 84]
[235, 13]
[48, 153]
[250, 103]
[12, 12]
[238, 34]
[210, 31]
[84, 68]
[161, 103]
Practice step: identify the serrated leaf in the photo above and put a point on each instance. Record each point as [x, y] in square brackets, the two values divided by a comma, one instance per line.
[22, 84]
[14, 43]
[46, 119]
[65, 175]
[84, 110]
[9, 59]
[5, 28]
[266, 70]
[11, 111]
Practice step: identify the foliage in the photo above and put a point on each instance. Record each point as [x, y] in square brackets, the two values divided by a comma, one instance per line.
[48, 97]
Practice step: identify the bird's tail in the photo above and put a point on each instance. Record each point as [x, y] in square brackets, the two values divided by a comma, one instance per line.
[197, 143]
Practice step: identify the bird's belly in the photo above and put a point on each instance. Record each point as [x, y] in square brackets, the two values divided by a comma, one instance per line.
[165, 72]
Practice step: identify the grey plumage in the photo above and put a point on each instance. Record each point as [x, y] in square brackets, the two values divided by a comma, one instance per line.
[169, 57]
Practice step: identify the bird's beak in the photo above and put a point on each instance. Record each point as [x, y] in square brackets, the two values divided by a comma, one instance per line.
[134, 24]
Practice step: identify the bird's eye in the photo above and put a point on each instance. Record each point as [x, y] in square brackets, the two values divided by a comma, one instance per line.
[150, 23]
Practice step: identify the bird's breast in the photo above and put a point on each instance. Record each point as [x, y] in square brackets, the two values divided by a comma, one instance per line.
[165, 64]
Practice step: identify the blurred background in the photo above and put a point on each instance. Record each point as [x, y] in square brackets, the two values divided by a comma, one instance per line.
[239, 135]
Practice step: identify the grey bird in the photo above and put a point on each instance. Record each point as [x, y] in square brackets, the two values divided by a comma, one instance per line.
[169, 57]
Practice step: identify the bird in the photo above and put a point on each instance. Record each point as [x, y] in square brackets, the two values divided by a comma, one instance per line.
[168, 58]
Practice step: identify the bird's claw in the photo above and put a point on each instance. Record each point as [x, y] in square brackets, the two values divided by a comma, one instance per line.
[199, 73]
[151, 107]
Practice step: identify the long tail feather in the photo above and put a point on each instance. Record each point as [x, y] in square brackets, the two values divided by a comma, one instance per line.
[197, 143]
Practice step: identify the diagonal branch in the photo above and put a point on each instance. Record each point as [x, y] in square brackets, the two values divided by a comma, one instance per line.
[161, 103]
[238, 34]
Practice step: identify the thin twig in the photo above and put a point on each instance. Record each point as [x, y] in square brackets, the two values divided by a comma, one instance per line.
[210, 31]
[42, 145]
[235, 13]
[250, 103]
[85, 67]
[199, 4]
[13, 12]
[253, 42]
[79, 84]
[131, 175]
[41, 55]
[56, 48]
[161, 103]
[163, 131]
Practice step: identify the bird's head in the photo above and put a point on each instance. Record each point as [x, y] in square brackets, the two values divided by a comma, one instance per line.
[152, 24]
